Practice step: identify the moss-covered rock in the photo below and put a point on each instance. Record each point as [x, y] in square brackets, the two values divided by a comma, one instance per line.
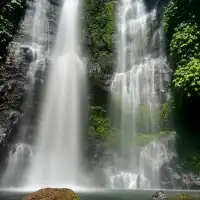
[183, 197]
[144, 139]
[52, 194]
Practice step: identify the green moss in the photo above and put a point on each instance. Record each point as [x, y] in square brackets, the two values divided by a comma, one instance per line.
[185, 42]
[187, 77]
[182, 23]
[192, 163]
[100, 124]
[100, 22]
[178, 11]
[98, 121]
[183, 197]
[144, 139]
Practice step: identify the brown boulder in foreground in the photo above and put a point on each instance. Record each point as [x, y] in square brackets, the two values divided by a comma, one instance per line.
[52, 194]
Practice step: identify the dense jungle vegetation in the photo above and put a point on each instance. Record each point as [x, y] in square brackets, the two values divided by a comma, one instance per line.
[182, 25]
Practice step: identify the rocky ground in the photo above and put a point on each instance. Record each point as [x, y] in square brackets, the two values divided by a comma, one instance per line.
[173, 173]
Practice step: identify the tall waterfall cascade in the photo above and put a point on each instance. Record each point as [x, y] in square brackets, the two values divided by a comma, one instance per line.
[58, 145]
[138, 85]
[53, 157]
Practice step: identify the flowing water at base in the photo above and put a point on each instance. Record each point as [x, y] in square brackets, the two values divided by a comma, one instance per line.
[104, 194]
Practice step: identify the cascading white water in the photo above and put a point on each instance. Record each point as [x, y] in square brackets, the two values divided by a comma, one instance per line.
[57, 155]
[138, 82]
[128, 180]
[152, 157]
[17, 159]
[28, 50]
[36, 31]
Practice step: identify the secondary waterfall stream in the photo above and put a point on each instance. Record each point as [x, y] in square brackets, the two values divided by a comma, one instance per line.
[137, 90]
[29, 48]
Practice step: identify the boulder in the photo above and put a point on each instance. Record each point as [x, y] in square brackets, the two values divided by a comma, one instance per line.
[28, 53]
[176, 180]
[52, 194]
[166, 185]
[195, 185]
[159, 195]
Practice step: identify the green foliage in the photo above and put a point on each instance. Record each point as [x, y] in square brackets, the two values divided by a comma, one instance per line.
[144, 139]
[99, 122]
[100, 126]
[182, 23]
[99, 18]
[154, 119]
[193, 162]
[178, 11]
[164, 111]
[187, 77]
[166, 116]
[183, 196]
[185, 42]
[109, 12]
[147, 119]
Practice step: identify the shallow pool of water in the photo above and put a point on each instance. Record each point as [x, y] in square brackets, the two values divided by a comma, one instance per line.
[102, 194]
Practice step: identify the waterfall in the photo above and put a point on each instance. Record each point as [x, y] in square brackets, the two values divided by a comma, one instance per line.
[138, 86]
[152, 157]
[17, 160]
[57, 154]
[36, 45]
[28, 50]
[54, 155]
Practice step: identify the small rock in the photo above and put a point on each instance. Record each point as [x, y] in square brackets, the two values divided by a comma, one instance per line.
[28, 52]
[159, 195]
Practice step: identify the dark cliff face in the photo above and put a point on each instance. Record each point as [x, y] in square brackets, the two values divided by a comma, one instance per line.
[23, 71]
[11, 12]
[11, 79]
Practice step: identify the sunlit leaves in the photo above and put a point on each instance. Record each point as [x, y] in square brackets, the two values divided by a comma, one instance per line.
[178, 11]
[182, 23]
[187, 77]
[99, 123]
[185, 42]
